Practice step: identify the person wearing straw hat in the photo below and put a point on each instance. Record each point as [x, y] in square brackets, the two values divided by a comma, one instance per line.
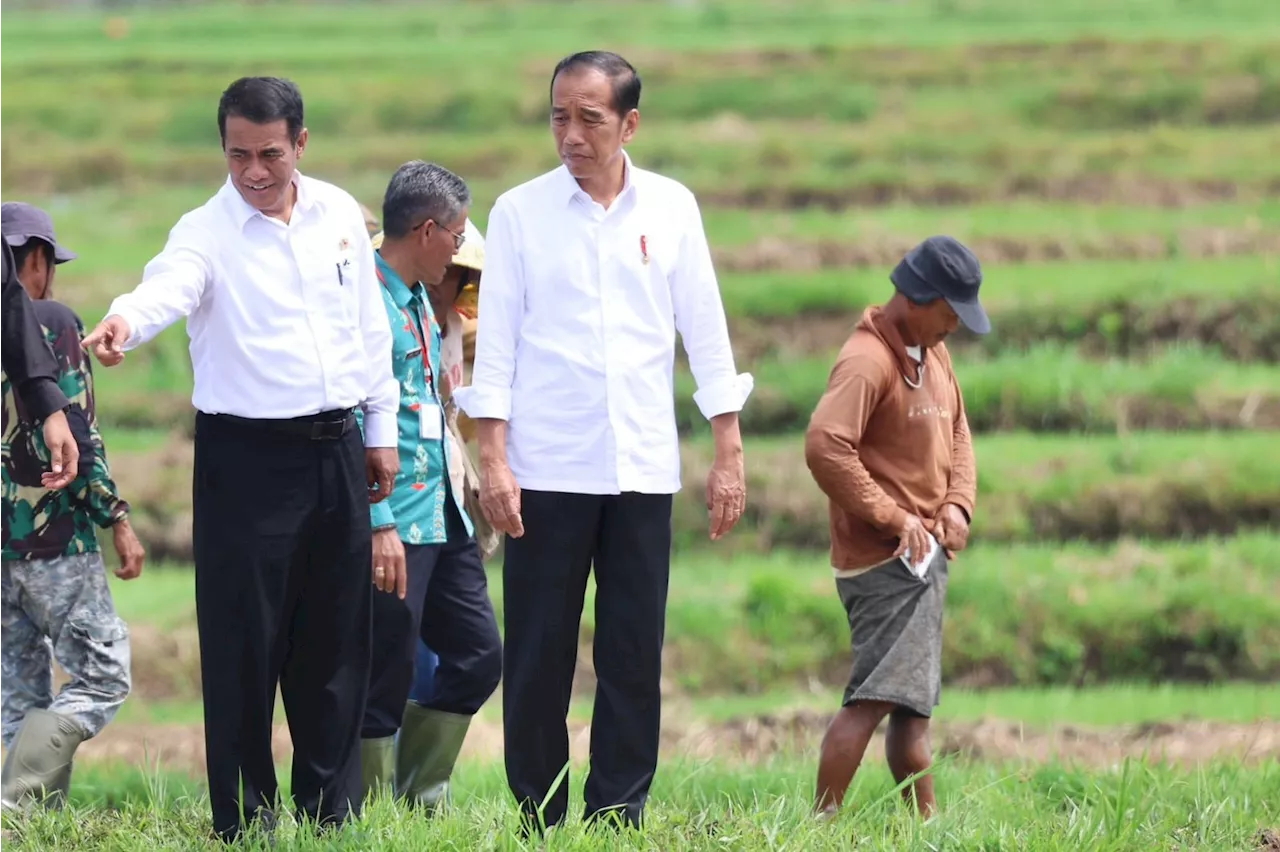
[889, 445]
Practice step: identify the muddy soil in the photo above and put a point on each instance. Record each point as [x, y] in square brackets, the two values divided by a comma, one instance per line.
[756, 738]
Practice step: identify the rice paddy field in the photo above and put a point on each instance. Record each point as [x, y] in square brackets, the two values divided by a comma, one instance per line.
[1112, 638]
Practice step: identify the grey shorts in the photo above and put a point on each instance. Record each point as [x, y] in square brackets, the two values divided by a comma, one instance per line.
[895, 628]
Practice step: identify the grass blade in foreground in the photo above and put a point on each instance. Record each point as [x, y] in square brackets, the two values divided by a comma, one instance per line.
[715, 807]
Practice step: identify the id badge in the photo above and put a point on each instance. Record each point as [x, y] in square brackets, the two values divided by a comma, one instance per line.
[431, 422]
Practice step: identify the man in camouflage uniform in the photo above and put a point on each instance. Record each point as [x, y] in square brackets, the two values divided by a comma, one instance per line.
[55, 593]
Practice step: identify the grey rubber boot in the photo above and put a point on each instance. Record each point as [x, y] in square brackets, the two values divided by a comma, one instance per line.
[426, 753]
[377, 764]
[38, 766]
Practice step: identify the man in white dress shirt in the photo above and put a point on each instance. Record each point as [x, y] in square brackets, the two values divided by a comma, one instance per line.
[288, 336]
[590, 271]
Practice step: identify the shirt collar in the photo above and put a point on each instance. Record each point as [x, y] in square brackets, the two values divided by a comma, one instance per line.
[568, 185]
[402, 294]
[243, 211]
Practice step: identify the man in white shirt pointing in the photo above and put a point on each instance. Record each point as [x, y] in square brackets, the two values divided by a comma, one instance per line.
[288, 336]
[590, 271]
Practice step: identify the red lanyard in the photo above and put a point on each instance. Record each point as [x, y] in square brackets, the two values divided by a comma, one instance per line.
[417, 335]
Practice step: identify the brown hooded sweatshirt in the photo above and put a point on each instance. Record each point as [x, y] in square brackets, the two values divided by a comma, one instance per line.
[880, 448]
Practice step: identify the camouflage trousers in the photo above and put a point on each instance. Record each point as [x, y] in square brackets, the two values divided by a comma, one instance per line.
[61, 608]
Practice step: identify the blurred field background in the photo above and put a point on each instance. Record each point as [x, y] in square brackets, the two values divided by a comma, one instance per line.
[1116, 165]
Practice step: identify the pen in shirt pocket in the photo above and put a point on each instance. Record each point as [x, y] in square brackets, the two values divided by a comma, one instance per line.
[338, 266]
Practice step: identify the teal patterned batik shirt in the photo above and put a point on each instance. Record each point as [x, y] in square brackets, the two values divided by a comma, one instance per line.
[416, 507]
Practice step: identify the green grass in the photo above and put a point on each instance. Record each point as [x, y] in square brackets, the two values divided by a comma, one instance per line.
[1031, 488]
[1071, 224]
[1025, 615]
[1048, 707]
[1050, 388]
[821, 98]
[1115, 308]
[1048, 288]
[1018, 615]
[1119, 704]
[710, 806]
[811, 106]
[162, 597]
[837, 167]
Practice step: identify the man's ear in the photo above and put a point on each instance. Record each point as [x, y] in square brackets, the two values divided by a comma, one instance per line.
[630, 123]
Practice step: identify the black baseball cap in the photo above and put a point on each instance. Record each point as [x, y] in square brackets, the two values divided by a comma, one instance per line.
[944, 268]
[23, 221]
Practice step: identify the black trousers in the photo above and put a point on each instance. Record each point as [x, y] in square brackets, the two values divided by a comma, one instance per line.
[282, 551]
[544, 575]
[448, 605]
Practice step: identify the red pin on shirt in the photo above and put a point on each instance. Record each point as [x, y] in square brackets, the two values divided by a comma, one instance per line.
[644, 249]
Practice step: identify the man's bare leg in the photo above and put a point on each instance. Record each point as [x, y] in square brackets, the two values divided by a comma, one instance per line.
[842, 749]
[908, 750]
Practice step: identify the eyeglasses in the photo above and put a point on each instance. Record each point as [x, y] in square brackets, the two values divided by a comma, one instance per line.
[458, 239]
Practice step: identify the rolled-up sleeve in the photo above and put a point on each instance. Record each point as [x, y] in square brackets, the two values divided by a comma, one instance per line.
[498, 323]
[382, 400]
[703, 328]
[172, 285]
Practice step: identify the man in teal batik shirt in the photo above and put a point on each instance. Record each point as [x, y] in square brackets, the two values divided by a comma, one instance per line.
[426, 563]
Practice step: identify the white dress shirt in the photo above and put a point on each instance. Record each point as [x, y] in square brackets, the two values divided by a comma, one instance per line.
[285, 320]
[575, 346]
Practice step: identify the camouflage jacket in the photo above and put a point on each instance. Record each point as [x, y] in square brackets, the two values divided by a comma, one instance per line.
[39, 523]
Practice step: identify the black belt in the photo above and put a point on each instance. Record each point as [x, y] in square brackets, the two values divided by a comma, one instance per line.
[325, 426]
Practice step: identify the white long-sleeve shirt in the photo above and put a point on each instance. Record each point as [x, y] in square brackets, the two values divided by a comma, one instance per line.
[575, 346]
[285, 320]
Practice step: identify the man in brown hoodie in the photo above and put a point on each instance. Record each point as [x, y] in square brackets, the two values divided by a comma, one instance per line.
[889, 445]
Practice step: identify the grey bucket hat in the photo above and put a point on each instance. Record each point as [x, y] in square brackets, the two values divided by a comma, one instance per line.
[23, 221]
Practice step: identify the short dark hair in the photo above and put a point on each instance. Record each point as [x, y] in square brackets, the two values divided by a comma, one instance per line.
[262, 100]
[419, 191]
[625, 78]
[21, 252]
